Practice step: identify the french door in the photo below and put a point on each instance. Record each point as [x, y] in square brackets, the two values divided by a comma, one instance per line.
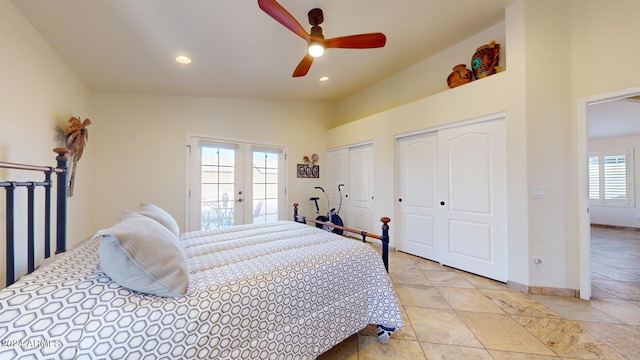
[233, 183]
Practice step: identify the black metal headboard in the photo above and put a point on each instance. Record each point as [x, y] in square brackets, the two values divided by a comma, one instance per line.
[61, 211]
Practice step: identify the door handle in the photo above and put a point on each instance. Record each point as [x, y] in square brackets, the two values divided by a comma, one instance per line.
[442, 203]
[400, 200]
[239, 200]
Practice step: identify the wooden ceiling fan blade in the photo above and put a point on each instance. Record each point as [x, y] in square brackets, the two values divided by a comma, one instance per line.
[360, 41]
[281, 15]
[303, 66]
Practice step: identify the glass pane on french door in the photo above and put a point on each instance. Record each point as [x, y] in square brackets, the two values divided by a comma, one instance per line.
[217, 187]
[265, 186]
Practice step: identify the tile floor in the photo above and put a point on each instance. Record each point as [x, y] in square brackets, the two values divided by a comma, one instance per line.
[450, 314]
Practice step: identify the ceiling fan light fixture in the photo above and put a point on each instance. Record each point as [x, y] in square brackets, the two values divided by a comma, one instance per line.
[182, 59]
[315, 49]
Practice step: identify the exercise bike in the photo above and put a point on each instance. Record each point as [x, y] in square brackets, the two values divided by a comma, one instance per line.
[332, 216]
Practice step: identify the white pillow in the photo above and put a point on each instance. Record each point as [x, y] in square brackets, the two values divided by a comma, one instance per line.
[160, 215]
[142, 255]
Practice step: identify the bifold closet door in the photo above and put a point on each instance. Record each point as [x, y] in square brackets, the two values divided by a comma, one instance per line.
[361, 187]
[416, 165]
[352, 167]
[472, 202]
[451, 206]
[338, 173]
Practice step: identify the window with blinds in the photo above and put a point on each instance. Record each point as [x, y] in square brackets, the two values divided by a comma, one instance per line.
[611, 178]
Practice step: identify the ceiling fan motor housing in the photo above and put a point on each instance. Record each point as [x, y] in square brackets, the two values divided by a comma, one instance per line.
[315, 16]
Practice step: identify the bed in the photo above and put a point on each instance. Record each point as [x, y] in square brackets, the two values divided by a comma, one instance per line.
[280, 290]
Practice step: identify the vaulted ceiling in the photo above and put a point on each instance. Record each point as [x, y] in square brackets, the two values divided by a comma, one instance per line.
[239, 51]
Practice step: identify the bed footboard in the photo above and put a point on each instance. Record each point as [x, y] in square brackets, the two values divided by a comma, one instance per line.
[61, 210]
[384, 238]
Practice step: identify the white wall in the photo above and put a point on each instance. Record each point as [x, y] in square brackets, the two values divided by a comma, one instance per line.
[423, 79]
[557, 53]
[613, 215]
[38, 95]
[140, 145]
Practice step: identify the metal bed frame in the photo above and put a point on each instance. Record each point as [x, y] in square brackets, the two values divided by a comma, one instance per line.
[384, 238]
[61, 211]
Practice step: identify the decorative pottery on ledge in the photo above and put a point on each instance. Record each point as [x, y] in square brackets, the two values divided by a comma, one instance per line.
[485, 60]
[460, 76]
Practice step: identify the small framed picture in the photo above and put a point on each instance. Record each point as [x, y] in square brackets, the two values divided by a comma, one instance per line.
[308, 171]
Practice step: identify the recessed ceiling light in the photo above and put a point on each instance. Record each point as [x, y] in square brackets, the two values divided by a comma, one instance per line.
[324, 78]
[182, 59]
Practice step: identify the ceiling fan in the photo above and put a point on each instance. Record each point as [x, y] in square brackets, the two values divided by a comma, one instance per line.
[315, 39]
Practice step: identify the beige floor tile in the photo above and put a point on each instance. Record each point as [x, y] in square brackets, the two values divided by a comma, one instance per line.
[421, 296]
[448, 352]
[346, 350]
[408, 276]
[507, 355]
[446, 278]
[622, 310]
[406, 333]
[624, 339]
[440, 326]
[447, 335]
[574, 309]
[370, 349]
[400, 260]
[464, 299]
[566, 339]
[501, 332]
[425, 264]
[517, 303]
[480, 282]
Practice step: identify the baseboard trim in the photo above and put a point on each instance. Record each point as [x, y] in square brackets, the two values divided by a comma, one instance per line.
[615, 227]
[541, 290]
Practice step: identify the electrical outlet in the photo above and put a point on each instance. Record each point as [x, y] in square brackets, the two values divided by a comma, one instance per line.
[537, 262]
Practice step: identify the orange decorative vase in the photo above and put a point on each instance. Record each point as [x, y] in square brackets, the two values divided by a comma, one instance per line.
[460, 75]
[485, 61]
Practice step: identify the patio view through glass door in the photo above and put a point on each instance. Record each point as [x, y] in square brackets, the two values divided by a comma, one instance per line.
[218, 197]
[233, 183]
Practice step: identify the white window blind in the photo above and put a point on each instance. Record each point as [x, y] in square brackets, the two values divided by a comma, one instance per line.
[611, 178]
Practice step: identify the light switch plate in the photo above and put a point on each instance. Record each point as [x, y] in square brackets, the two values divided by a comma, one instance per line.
[537, 192]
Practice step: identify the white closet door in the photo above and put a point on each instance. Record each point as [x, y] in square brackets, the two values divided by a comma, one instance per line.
[361, 187]
[472, 188]
[416, 179]
[338, 173]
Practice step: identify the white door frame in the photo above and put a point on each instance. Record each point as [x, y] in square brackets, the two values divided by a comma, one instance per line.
[584, 222]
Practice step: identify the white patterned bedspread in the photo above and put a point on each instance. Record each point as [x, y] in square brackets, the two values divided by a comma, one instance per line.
[279, 290]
